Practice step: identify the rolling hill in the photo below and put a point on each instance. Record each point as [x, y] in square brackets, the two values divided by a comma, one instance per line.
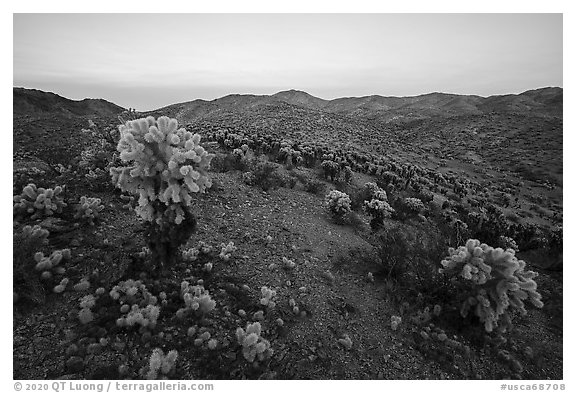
[544, 102]
[36, 102]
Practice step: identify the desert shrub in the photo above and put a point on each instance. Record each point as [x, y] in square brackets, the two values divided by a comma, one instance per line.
[409, 255]
[97, 157]
[492, 283]
[314, 186]
[555, 243]
[338, 204]
[164, 166]
[222, 163]
[266, 176]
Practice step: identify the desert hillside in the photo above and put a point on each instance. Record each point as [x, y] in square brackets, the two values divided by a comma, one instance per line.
[293, 238]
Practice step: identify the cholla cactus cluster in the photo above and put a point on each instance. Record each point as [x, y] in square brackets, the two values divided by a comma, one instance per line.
[191, 254]
[254, 347]
[50, 265]
[498, 281]
[39, 202]
[374, 192]
[268, 297]
[85, 314]
[338, 203]
[88, 209]
[196, 298]
[226, 251]
[161, 364]
[35, 236]
[165, 165]
[138, 306]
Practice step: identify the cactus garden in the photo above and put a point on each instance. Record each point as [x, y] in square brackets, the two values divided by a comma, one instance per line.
[163, 245]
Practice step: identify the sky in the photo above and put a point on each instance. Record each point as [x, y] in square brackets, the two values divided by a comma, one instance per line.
[147, 61]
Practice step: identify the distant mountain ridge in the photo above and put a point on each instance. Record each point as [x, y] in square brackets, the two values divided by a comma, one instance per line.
[34, 102]
[546, 101]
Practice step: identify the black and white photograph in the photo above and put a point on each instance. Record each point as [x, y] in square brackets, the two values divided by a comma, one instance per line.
[200, 197]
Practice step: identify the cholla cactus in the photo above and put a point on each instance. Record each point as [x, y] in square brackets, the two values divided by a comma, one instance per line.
[395, 322]
[146, 317]
[161, 364]
[268, 296]
[378, 209]
[254, 347]
[191, 254]
[39, 202]
[88, 209]
[413, 205]
[137, 304]
[196, 298]
[338, 203]
[496, 281]
[164, 166]
[26, 243]
[226, 251]
[371, 189]
[85, 314]
[331, 169]
[35, 236]
[48, 266]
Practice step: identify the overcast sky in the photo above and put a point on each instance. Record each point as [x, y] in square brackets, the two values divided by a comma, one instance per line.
[147, 61]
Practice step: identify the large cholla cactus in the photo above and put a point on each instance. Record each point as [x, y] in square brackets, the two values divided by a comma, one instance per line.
[338, 203]
[165, 165]
[496, 279]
